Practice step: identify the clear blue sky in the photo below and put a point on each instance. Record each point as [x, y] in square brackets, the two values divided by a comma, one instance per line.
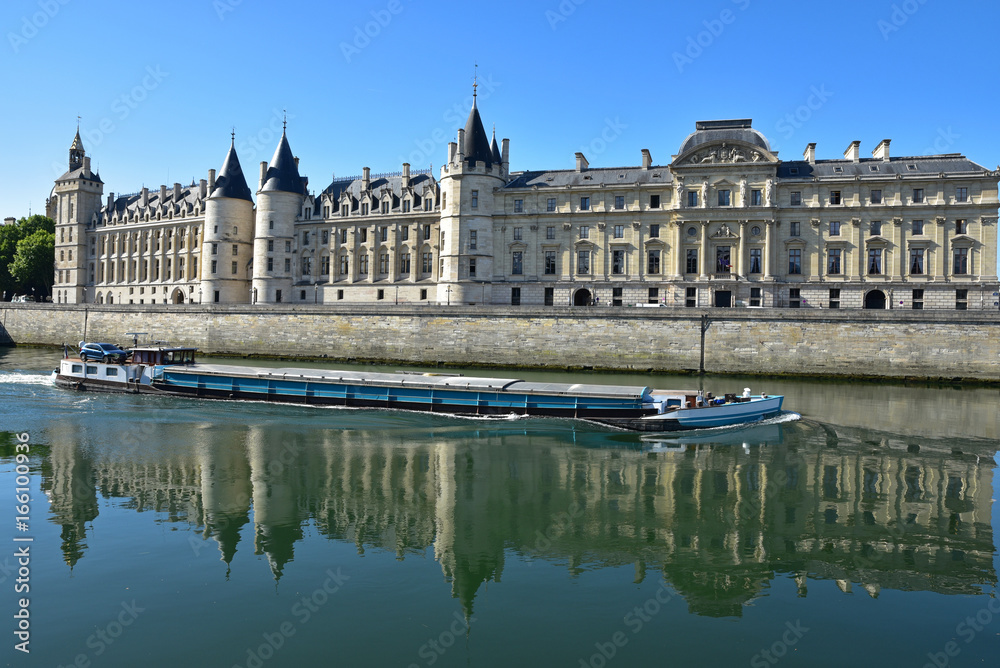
[160, 85]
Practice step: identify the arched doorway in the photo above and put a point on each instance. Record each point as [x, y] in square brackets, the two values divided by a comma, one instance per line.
[875, 299]
[582, 298]
[177, 297]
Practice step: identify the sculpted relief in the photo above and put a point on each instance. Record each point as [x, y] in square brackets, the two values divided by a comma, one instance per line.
[725, 154]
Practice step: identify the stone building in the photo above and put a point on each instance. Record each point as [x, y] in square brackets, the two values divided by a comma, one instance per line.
[724, 223]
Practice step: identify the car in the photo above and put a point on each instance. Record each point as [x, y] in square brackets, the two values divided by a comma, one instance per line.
[102, 352]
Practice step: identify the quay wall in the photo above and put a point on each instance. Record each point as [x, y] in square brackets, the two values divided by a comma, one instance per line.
[877, 344]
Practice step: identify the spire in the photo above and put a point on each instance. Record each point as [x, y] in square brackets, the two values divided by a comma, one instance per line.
[231, 182]
[76, 152]
[494, 149]
[477, 146]
[282, 173]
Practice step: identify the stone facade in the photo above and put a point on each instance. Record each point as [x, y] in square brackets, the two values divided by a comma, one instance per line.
[724, 223]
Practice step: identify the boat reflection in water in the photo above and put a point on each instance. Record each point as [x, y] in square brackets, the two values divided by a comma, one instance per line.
[719, 517]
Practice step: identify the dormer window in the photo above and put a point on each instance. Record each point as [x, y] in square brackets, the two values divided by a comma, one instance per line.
[873, 168]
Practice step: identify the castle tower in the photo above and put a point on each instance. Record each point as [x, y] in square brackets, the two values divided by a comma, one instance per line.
[467, 183]
[227, 247]
[278, 203]
[75, 199]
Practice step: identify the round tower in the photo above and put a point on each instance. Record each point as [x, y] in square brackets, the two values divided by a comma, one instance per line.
[474, 169]
[279, 201]
[227, 246]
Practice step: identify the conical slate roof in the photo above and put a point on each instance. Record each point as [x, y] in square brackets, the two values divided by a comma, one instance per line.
[231, 182]
[494, 149]
[477, 145]
[77, 142]
[283, 174]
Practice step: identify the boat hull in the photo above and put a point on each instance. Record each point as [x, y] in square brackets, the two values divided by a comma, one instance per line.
[703, 417]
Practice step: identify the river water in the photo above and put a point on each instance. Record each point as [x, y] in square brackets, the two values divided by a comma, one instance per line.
[180, 532]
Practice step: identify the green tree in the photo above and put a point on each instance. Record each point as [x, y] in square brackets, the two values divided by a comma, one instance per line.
[34, 262]
[9, 236]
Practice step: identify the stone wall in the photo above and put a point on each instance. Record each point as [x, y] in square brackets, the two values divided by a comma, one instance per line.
[920, 344]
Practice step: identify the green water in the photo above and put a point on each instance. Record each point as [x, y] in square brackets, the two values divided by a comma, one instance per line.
[173, 532]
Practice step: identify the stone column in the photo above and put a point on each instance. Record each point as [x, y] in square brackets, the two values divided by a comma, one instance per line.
[680, 256]
[942, 269]
[768, 249]
[899, 266]
[703, 252]
[816, 252]
[859, 249]
[741, 251]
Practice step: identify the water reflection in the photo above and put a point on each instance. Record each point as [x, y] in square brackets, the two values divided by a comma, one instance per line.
[720, 515]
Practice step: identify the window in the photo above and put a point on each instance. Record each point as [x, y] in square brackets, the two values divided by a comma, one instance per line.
[519, 206]
[616, 296]
[961, 227]
[429, 205]
[654, 201]
[236, 249]
[472, 267]
[277, 296]
[325, 237]
[363, 232]
[404, 263]
[550, 294]
[918, 195]
[961, 194]
[517, 263]
[654, 231]
[724, 198]
[961, 264]
[235, 269]
[653, 296]
[325, 265]
[215, 266]
[916, 261]
[619, 201]
[404, 233]
[834, 297]
[215, 296]
[385, 207]
[834, 197]
[754, 296]
[794, 298]
[619, 231]
[918, 299]
[326, 211]
[722, 259]
[692, 198]
[363, 264]
[833, 265]
[876, 197]
[343, 236]
[550, 232]
[584, 204]
[406, 206]
[426, 260]
[653, 262]
[473, 237]
[692, 261]
[918, 227]
[474, 201]
[515, 296]
[288, 265]
[795, 261]
[383, 234]
[834, 228]
[364, 209]
[302, 295]
[550, 205]
[875, 229]
[874, 261]
[288, 246]
[517, 234]
[962, 299]
[344, 265]
[550, 262]
[305, 238]
[617, 262]
[427, 232]
[796, 197]
[690, 297]
[583, 262]
[343, 211]
[215, 249]
[755, 260]
[383, 263]
[794, 229]
[584, 231]
[755, 230]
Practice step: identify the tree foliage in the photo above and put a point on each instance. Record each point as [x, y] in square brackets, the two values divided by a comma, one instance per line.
[27, 257]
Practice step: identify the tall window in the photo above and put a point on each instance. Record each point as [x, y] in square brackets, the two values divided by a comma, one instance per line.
[550, 262]
[472, 267]
[584, 204]
[517, 263]
[619, 201]
[473, 235]
[519, 206]
[383, 263]
[722, 259]
[795, 195]
[617, 262]
[692, 261]
[475, 200]
[876, 228]
[583, 262]
[795, 261]
[343, 236]
[517, 234]
[916, 260]
[619, 231]
[724, 198]
[306, 266]
[692, 198]
[876, 197]
[918, 227]
[325, 266]
[427, 232]
[794, 229]
[654, 201]
[960, 226]
[834, 197]
[363, 264]
[550, 205]
[404, 263]
[961, 264]
[874, 261]
[653, 262]
[426, 263]
[961, 194]
[833, 261]
[918, 195]
[550, 232]
[584, 231]
[654, 231]
[755, 260]
[344, 264]
[305, 238]
[834, 228]
[383, 233]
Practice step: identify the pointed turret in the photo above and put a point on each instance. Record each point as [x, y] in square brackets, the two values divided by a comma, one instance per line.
[494, 149]
[283, 173]
[477, 146]
[231, 182]
[76, 152]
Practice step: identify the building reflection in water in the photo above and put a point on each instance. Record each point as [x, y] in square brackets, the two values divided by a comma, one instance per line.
[719, 516]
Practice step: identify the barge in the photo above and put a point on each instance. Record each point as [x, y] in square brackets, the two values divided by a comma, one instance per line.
[174, 372]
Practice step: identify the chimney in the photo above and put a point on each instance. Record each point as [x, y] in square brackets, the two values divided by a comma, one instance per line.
[810, 153]
[144, 197]
[881, 151]
[86, 164]
[461, 145]
[111, 199]
[505, 155]
[647, 159]
[581, 162]
[853, 152]
[406, 175]
[163, 195]
[263, 173]
[177, 192]
[296, 163]
[203, 188]
[211, 179]
[366, 178]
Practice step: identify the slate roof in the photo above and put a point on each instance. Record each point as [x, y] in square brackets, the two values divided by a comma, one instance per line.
[494, 149]
[926, 165]
[477, 145]
[231, 182]
[591, 177]
[354, 187]
[132, 203]
[283, 174]
[718, 131]
[81, 173]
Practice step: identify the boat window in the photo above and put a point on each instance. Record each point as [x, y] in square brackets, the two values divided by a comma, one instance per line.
[77, 368]
[91, 369]
[111, 371]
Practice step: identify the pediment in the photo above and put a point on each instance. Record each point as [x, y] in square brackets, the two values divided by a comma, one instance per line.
[724, 232]
[725, 153]
[962, 240]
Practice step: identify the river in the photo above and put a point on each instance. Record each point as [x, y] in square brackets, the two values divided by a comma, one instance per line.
[855, 530]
